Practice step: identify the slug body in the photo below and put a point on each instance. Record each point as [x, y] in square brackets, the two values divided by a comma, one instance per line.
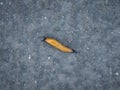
[58, 45]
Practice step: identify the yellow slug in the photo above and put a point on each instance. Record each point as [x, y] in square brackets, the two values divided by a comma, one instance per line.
[58, 45]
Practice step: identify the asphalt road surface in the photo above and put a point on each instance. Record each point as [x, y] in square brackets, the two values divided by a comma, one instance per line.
[91, 27]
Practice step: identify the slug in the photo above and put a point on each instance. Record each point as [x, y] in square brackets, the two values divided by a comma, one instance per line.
[56, 44]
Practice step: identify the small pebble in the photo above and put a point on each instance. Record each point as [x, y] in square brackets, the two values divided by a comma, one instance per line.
[45, 18]
[48, 57]
[29, 56]
[87, 48]
[1, 3]
[116, 73]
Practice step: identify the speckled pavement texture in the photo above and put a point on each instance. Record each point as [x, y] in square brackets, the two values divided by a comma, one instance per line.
[91, 27]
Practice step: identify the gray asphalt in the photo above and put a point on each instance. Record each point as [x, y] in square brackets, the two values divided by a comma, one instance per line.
[91, 27]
